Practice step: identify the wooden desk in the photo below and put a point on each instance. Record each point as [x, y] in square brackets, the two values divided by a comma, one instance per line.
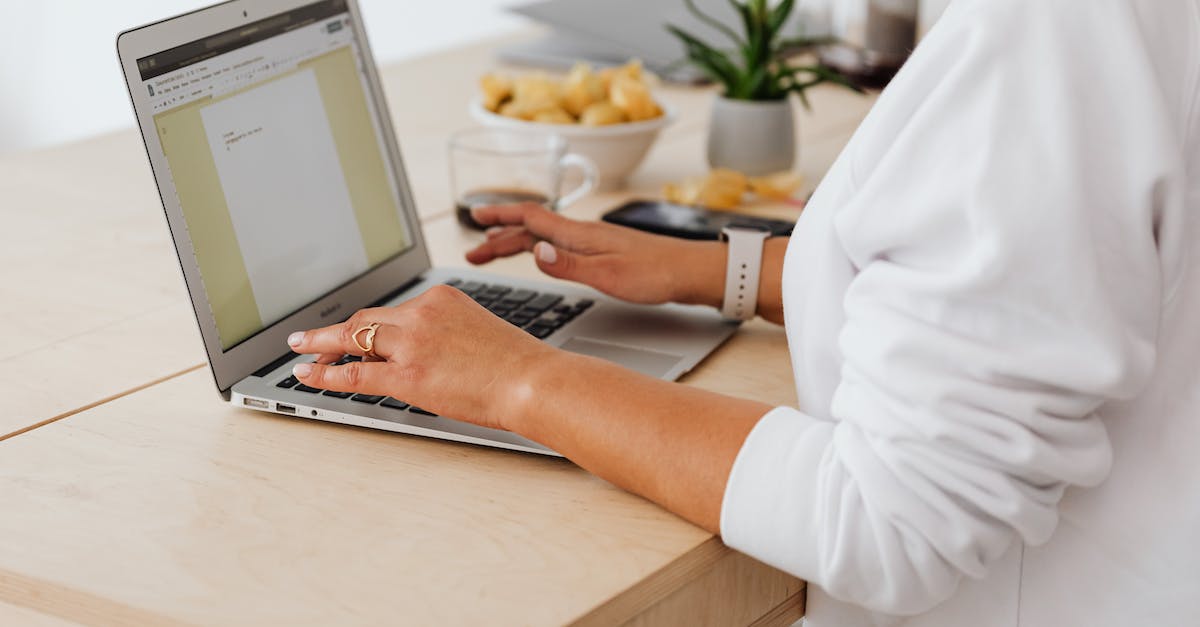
[132, 495]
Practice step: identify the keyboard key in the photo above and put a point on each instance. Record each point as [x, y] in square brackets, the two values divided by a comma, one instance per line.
[517, 297]
[563, 309]
[497, 290]
[394, 404]
[418, 410]
[543, 302]
[551, 321]
[584, 304]
[366, 398]
[288, 383]
[501, 309]
[453, 282]
[471, 287]
[310, 390]
[519, 320]
[526, 311]
[338, 394]
[539, 331]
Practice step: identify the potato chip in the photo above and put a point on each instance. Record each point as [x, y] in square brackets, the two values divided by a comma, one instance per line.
[496, 89]
[612, 96]
[631, 70]
[634, 99]
[720, 189]
[602, 113]
[581, 88]
[537, 90]
[780, 186]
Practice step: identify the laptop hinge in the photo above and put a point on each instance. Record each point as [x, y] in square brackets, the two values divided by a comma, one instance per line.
[396, 292]
[267, 369]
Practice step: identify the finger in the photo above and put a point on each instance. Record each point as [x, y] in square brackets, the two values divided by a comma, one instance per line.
[593, 270]
[542, 223]
[339, 339]
[356, 376]
[516, 241]
[502, 231]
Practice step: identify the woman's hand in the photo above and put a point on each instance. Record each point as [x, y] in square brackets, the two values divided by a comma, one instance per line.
[621, 262]
[441, 351]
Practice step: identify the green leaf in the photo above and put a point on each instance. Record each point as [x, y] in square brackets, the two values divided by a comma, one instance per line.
[779, 15]
[713, 62]
[713, 22]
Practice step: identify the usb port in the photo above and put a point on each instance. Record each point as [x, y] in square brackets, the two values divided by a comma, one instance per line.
[287, 409]
[256, 403]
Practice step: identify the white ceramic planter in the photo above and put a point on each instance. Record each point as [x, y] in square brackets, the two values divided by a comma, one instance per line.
[752, 137]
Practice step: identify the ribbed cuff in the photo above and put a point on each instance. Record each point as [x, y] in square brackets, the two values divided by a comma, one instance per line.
[770, 507]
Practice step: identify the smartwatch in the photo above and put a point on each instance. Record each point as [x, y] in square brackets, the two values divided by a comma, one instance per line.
[742, 270]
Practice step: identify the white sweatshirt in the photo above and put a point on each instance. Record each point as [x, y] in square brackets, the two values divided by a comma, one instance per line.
[993, 310]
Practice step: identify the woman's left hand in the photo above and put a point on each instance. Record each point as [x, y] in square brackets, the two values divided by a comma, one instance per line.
[440, 351]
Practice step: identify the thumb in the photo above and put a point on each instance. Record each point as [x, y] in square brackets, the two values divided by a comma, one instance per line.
[563, 264]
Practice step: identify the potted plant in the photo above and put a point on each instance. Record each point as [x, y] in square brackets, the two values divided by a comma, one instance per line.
[752, 127]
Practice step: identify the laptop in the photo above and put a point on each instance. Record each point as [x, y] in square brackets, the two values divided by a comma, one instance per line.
[281, 179]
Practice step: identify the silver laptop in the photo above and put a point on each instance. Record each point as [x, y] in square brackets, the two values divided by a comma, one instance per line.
[269, 138]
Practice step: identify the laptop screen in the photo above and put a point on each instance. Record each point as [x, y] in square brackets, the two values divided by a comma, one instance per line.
[278, 163]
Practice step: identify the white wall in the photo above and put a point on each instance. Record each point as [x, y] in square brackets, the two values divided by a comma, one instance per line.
[59, 78]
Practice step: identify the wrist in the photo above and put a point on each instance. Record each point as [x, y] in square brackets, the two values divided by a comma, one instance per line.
[523, 394]
[700, 275]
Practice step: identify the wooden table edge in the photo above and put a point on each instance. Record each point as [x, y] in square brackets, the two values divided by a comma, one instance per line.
[680, 583]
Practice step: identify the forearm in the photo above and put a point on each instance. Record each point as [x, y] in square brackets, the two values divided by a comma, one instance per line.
[705, 281]
[670, 443]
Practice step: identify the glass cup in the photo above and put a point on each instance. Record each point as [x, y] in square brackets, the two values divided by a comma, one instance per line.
[499, 166]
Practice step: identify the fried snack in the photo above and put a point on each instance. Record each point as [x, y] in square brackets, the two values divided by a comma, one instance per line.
[631, 70]
[612, 96]
[496, 89]
[720, 189]
[535, 93]
[633, 97]
[556, 115]
[602, 113]
[581, 89]
[781, 186]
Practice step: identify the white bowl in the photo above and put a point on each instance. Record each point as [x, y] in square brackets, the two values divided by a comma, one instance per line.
[617, 149]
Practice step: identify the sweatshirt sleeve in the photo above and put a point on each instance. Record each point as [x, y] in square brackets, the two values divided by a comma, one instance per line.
[1006, 284]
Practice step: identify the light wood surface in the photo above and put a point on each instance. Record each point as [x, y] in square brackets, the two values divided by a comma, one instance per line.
[133, 495]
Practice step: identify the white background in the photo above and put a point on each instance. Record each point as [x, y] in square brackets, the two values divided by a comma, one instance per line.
[59, 78]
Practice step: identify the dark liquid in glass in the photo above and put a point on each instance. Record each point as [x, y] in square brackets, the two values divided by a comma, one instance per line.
[484, 197]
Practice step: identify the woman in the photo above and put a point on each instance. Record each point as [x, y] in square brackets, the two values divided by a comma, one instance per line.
[992, 307]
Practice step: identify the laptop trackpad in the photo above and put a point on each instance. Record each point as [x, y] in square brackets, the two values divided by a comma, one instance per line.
[645, 361]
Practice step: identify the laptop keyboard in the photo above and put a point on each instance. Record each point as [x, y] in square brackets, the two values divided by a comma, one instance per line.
[539, 314]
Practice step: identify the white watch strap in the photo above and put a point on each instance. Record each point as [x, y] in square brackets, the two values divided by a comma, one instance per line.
[742, 271]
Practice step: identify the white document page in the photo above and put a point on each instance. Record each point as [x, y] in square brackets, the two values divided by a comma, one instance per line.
[286, 194]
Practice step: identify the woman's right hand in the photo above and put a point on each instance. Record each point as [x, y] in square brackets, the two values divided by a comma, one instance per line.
[622, 262]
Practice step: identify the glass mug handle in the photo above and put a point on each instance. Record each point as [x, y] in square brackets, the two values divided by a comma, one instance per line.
[590, 176]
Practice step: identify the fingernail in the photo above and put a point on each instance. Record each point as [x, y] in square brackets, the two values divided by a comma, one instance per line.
[296, 338]
[302, 370]
[545, 252]
[492, 230]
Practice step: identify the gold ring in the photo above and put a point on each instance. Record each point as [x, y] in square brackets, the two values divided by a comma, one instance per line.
[367, 346]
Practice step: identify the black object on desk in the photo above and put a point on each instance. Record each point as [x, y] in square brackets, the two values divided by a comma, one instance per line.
[666, 218]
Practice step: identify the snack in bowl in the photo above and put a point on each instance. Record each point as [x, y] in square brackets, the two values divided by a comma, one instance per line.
[612, 96]
[610, 116]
